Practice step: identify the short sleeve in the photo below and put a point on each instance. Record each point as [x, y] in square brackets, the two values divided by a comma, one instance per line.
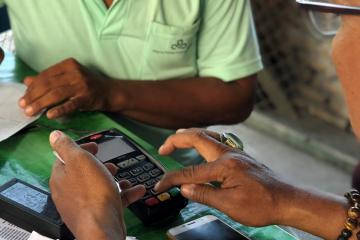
[227, 42]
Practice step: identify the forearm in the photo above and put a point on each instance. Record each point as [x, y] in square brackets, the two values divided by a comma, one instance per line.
[315, 212]
[183, 102]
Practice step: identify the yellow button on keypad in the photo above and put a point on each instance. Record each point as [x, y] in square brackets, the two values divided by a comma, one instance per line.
[163, 197]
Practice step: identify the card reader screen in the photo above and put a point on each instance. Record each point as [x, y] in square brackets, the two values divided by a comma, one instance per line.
[26, 196]
[113, 148]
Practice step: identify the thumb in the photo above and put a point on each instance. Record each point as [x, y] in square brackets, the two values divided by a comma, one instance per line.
[63, 145]
[202, 193]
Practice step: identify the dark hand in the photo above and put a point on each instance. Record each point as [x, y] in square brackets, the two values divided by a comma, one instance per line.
[63, 89]
[85, 193]
[250, 192]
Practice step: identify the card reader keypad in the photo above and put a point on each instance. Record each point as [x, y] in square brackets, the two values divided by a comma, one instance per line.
[140, 170]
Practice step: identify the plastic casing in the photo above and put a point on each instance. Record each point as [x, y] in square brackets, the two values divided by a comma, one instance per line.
[30, 220]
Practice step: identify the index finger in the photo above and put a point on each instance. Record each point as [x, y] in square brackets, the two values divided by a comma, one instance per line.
[207, 146]
[197, 174]
[53, 71]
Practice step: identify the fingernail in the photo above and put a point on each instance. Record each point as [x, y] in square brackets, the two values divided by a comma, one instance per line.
[156, 187]
[50, 114]
[188, 190]
[54, 136]
[180, 130]
[29, 110]
[22, 103]
[161, 148]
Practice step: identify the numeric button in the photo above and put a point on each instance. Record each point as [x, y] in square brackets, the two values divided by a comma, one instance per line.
[155, 172]
[150, 184]
[133, 181]
[136, 171]
[143, 177]
[148, 166]
[141, 157]
[123, 175]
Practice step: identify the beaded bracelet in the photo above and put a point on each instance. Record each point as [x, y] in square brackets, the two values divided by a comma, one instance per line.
[353, 215]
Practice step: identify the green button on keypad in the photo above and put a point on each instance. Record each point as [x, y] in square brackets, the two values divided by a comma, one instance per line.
[174, 192]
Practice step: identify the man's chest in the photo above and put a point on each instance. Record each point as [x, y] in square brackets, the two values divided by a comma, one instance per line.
[133, 38]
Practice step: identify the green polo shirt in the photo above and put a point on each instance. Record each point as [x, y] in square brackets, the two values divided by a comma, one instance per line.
[139, 39]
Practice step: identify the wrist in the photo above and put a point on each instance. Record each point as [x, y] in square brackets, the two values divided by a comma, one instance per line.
[116, 97]
[107, 226]
[318, 213]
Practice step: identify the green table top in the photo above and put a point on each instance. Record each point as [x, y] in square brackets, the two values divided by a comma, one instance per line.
[27, 156]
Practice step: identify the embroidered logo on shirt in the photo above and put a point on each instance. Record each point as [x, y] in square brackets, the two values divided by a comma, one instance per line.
[179, 45]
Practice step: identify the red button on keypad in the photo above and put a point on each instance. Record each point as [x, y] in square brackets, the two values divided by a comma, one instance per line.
[96, 137]
[151, 201]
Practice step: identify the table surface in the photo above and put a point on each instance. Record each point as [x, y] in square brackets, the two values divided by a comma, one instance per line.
[27, 156]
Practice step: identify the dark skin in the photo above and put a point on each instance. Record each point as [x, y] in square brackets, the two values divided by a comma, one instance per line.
[108, 3]
[250, 192]
[68, 86]
[79, 176]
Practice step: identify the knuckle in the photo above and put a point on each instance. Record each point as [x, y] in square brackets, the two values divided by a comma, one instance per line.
[170, 139]
[200, 134]
[193, 129]
[168, 178]
[71, 106]
[189, 172]
[36, 106]
[79, 76]
[67, 108]
[202, 194]
[55, 94]
[30, 94]
[231, 163]
[72, 63]
[56, 111]
[28, 79]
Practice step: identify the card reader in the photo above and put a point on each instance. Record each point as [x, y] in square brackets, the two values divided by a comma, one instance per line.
[138, 167]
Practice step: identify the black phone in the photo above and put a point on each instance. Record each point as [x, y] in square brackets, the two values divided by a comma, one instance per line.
[138, 167]
[32, 209]
[327, 7]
